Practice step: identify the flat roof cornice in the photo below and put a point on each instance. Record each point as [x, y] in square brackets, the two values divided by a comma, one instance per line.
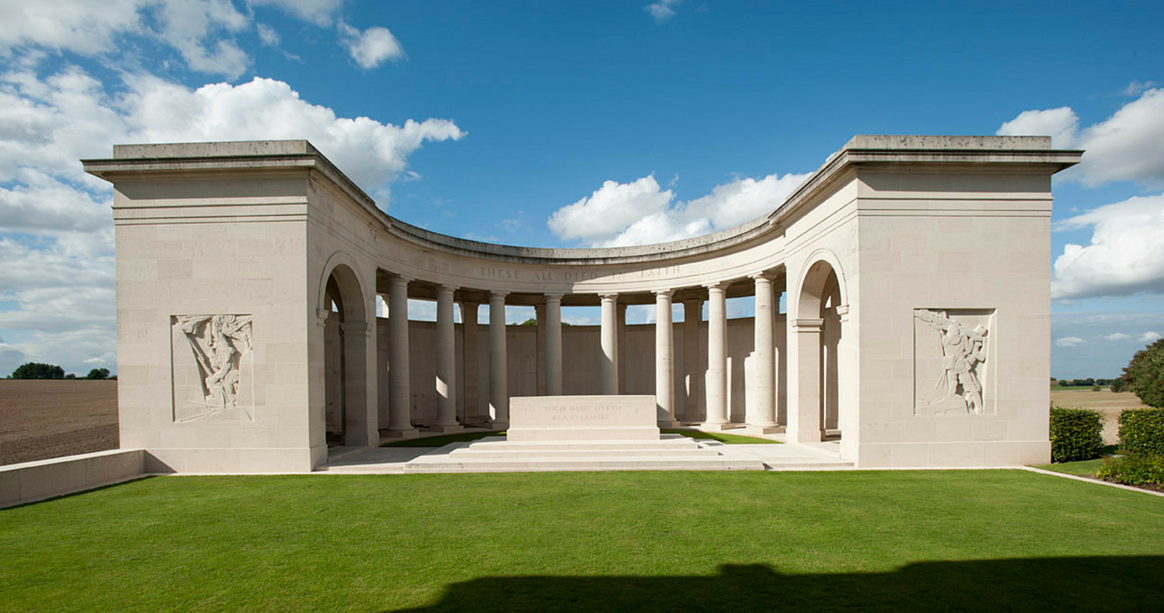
[134, 161]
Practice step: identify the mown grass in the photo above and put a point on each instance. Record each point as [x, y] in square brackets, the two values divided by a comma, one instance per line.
[724, 437]
[1082, 468]
[637, 541]
[441, 441]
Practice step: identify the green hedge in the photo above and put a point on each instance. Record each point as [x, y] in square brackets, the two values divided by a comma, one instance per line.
[1075, 434]
[1133, 470]
[1142, 432]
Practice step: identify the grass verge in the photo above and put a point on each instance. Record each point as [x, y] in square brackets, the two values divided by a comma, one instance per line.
[724, 437]
[634, 541]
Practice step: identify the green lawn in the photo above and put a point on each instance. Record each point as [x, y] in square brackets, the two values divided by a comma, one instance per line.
[724, 437]
[646, 541]
[1083, 468]
[441, 441]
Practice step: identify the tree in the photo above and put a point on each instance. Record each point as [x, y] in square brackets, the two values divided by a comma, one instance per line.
[1144, 375]
[35, 370]
[98, 373]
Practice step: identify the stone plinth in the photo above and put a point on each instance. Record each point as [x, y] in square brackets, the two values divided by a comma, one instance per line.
[582, 418]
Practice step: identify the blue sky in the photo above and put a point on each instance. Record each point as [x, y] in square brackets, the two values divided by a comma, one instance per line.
[576, 124]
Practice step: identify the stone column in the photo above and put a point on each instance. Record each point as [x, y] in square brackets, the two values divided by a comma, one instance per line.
[692, 367]
[804, 414]
[498, 375]
[400, 400]
[664, 361]
[609, 345]
[470, 384]
[717, 417]
[761, 413]
[446, 380]
[540, 347]
[620, 346]
[553, 365]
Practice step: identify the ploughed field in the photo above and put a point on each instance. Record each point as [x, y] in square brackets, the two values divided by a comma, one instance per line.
[982, 540]
[46, 419]
[1106, 402]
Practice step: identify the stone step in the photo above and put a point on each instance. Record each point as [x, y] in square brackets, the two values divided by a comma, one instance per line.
[544, 464]
[596, 452]
[677, 442]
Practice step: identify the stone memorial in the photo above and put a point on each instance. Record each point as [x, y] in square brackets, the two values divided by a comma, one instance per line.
[899, 306]
[582, 418]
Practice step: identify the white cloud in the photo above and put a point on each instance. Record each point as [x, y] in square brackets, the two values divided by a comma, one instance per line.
[1117, 336]
[10, 358]
[1150, 337]
[1135, 88]
[1069, 341]
[662, 10]
[268, 35]
[195, 28]
[319, 12]
[1126, 254]
[81, 26]
[641, 212]
[1128, 146]
[56, 240]
[1060, 124]
[610, 209]
[371, 47]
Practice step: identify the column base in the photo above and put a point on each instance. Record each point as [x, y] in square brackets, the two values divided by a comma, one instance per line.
[499, 425]
[668, 423]
[718, 427]
[751, 429]
[447, 429]
[400, 434]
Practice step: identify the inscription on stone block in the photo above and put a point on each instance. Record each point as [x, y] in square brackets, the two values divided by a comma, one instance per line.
[212, 368]
[582, 418]
[952, 350]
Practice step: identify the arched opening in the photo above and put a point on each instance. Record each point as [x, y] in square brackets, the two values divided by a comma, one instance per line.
[830, 340]
[333, 374]
[346, 334]
[819, 332]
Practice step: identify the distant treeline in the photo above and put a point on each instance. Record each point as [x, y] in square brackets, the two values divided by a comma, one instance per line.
[1081, 382]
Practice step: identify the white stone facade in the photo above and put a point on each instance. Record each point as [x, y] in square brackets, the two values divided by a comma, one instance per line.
[915, 270]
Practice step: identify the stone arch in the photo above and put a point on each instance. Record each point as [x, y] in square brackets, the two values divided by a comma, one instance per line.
[347, 338]
[821, 302]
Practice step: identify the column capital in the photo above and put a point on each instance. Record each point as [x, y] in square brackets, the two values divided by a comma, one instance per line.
[497, 295]
[401, 279]
[663, 292]
[719, 286]
[611, 296]
[807, 324]
[553, 297]
[764, 275]
[843, 310]
[321, 316]
[447, 288]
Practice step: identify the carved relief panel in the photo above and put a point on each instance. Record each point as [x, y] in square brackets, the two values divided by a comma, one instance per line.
[213, 371]
[952, 361]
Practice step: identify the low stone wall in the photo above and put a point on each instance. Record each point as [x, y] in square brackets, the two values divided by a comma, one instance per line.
[32, 481]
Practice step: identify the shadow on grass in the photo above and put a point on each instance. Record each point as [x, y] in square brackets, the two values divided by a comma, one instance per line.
[1050, 584]
[82, 491]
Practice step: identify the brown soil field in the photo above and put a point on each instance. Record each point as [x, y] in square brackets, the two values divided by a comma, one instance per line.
[1108, 403]
[49, 419]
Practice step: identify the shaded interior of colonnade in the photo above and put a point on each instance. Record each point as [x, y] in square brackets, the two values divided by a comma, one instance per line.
[819, 325]
[345, 377]
[1111, 583]
[581, 352]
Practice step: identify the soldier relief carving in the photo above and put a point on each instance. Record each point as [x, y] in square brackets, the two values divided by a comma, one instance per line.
[953, 355]
[212, 384]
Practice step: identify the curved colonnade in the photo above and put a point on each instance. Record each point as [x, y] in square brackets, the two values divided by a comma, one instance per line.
[905, 260]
